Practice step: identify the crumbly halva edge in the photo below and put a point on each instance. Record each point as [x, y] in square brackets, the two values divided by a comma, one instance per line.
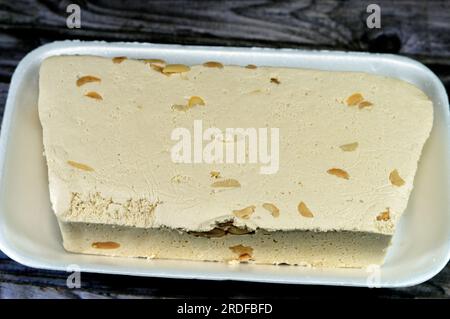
[341, 249]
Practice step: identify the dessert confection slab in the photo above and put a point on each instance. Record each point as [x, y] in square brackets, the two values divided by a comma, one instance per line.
[109, 142]
[29, 232]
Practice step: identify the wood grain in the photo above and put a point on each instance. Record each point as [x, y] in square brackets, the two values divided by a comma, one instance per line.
[20, 281]
[414, 28]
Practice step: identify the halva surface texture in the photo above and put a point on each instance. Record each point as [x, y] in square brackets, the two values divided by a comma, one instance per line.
[341, 169]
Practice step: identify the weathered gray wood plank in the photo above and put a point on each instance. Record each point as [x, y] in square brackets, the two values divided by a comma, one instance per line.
[18, 280]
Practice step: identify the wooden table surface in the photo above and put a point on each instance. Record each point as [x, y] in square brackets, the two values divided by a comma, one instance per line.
[414, 28]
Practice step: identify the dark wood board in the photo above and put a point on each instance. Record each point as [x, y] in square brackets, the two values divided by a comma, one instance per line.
[413, 28]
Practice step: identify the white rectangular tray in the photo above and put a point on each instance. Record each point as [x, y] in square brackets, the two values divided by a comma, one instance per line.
[29, 233]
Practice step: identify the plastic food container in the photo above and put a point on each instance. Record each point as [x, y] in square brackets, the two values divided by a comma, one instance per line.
[30, 235]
